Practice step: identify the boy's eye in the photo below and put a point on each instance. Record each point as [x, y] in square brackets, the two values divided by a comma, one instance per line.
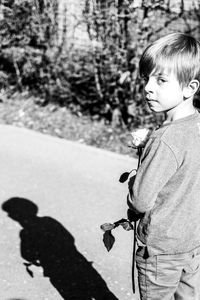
[161, 80]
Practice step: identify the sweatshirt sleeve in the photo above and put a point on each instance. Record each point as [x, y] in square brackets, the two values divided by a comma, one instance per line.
[156, 168]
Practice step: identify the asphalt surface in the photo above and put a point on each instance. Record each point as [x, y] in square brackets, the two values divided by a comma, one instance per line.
[75, 189]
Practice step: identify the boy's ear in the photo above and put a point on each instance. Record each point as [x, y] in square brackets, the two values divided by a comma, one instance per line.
[191, 88]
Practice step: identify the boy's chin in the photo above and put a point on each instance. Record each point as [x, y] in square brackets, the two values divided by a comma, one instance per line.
[155, 110]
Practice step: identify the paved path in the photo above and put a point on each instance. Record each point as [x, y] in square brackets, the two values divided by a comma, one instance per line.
[77, 186]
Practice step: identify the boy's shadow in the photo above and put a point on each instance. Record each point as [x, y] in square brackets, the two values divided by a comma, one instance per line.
[46, 243]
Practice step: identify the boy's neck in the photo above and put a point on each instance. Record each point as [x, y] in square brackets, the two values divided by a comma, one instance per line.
[184, 109]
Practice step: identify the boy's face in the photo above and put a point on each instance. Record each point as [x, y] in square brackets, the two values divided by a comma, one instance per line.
[163, 92]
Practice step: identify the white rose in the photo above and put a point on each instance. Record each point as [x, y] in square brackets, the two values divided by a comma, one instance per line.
[140, 137]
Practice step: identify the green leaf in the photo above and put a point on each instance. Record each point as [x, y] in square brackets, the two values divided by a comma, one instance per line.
[108, 240]
[124, 177]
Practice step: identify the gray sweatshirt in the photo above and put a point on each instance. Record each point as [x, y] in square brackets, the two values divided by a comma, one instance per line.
[167, 188]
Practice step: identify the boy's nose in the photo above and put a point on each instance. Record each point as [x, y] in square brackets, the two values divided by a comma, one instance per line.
[149, 86]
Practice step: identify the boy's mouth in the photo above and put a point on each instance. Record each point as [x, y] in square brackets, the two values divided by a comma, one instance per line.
[150, 100]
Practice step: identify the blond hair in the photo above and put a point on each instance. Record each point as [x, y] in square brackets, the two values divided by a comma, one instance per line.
[177, 52]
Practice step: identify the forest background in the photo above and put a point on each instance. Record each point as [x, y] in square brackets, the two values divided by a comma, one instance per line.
[83, 86]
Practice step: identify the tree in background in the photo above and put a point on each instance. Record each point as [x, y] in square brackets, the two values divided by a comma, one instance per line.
[119, 31]
[101, 79]
[30, 48]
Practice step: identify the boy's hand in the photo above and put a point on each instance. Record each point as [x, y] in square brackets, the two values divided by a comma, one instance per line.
[132, 216]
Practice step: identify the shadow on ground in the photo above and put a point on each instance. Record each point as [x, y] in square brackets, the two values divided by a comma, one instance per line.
[46, 243]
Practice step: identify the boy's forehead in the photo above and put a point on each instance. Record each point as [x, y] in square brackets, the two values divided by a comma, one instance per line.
[164, 66]
[161, 71]
[158, 66]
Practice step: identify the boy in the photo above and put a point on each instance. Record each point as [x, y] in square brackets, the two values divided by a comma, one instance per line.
[167, 185]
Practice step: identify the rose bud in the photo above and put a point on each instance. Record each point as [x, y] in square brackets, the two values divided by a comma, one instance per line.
[140, 137]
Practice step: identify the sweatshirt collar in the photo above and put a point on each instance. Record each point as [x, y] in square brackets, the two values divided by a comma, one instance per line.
[188, 118]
